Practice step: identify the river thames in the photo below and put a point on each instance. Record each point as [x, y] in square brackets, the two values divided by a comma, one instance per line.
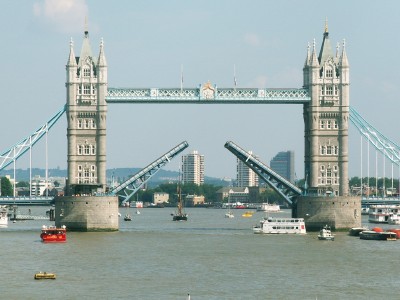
[208, 257]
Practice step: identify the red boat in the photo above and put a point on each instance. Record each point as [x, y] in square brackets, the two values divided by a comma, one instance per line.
[52, 234]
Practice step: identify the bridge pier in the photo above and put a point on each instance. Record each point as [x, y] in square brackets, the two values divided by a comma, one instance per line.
[340, 212]
[87, 213]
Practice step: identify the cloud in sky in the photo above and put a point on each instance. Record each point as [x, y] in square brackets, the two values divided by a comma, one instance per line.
[64, 15]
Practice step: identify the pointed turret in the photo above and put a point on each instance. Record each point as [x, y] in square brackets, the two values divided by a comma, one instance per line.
[307, 62]
[343, 59]
[102, 58]
[71, 59]
[314, 61]
[326, 49]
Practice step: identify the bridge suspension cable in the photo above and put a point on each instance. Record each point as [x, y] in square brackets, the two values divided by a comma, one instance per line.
[383, 144]
[282, 186]
[13, 153]
[127, 189]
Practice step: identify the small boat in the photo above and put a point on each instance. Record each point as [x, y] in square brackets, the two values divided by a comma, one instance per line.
[137, 212]
[269, 207]
[229, 215]
[326, 234]
[52, 234]
[3, 217]
[271, 225]
[355, 231]
[45, 275]
[248, 214]
[127, 217]
[379, 236]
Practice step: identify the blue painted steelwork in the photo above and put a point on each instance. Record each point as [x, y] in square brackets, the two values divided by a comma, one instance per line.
[8, 156]
[383, 144]
[208, 95]
[282, 186]
[127, 189]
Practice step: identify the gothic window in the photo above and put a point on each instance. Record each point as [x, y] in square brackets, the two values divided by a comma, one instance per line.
[93, 168]
[336, 151]
[87, 149]
[323, 150]
[329, 90]
[328, 124]
[79, 90]
[93, 152]
[86, 123]
[335, 124]
[79, 123]
[329, 150]
[329, 73]
[321, 124]
[93, 90]
[79, 167]
[329, 173]
[86, 72]
[86, 173]
[336, 90]
[86, 89]
[322, 168]
[335, 168]
[93, 123]
[80, 149]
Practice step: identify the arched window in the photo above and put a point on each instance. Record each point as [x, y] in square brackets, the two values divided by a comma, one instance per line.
[329, 73]
[80, 149]
[87, 149]
[86, 72]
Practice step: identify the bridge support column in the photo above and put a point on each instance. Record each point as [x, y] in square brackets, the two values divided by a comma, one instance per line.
[341, 213]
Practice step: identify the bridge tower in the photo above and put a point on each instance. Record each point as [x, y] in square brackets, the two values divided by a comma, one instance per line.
[326, 120]
[85, 207]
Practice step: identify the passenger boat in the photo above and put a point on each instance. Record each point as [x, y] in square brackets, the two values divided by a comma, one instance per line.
[44, 275]
[355, 231]
[380, 213]
[52, 234]
[394, 219]
[3, 217]
[379, 236]
[271, 225]
[326, 234]
[269, 207]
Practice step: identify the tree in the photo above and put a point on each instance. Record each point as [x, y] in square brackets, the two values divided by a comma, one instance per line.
[6, 187]
[22, 184]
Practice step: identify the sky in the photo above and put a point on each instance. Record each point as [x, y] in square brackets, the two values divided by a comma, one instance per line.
[148, 42]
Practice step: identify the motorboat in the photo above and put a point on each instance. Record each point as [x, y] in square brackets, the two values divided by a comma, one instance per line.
[229, 215]
[128, 217]
[326, 234]
[52, 234]
[376, 235]
[45, 275]
[267, 207]
[248, 214]
[270, 225]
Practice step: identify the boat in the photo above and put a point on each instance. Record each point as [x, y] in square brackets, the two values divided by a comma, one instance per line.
[365, 210]
[128, 217]
[267, 207]
[45, 275]
[179, 215]
[379, 236]
[270, 225]
[326, 234]
[229, 214]
[394, 219]
[3, 217]
[380, 213]
[52, 234]
[355, 231]
[248, 214]
[137, 212]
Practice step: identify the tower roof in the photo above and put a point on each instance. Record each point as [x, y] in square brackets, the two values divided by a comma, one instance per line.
[86, 50]
[326, 48]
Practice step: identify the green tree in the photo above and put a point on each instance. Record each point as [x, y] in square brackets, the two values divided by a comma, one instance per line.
[22, 184]
[6, 187]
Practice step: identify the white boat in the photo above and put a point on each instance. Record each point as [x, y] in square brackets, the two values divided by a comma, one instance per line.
[394, 219]
[380, 213]
[365, 210]
[267, 207]
[326, 234]
[229, 215]
[271, 225]
[3, 217]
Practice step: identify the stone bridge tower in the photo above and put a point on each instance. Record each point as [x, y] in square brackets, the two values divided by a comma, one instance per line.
[85, 206]
[326, 122]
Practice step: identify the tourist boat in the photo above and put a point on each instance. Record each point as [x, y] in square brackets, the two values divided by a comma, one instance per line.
[355, 231]
[379, 236]
[3, 217]
[45, 275]
[52, 234]
[326, 234]
[271, 225]
[269, 207]
[394, 219]
[380, 213]
[179, 215]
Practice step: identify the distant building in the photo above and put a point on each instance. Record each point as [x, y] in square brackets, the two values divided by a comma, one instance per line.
[245, 176]
[233, 194]
[193, 168]
[193, 200]
[160, 197]
[283, 164]
[39, 186]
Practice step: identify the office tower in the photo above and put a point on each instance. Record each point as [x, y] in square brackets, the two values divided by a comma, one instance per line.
[283, 164]
[245, 176]
[193, 168]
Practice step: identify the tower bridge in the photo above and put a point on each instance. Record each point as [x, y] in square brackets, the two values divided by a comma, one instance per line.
[326, 112]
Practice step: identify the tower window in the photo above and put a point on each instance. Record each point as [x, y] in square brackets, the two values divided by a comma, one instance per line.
[328, 125]
[86, 72]
[321, 124]
[322, 150]
[86, 89]
[335, 124]
[329, 90]
[329, 73]
[329, 150]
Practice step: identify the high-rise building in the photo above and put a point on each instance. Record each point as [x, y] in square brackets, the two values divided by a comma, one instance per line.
[193, 168]
[245, 176]
[283, 164]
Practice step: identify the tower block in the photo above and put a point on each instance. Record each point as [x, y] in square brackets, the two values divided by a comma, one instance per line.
[326, 122]
[86, 207]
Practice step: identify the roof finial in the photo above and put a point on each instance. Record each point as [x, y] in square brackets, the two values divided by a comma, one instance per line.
[344, 44]
[86, 26]
[314, 45]
[326, 24]
[71, 43]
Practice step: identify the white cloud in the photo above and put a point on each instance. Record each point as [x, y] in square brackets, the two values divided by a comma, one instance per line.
[64, 15]
[252, 39]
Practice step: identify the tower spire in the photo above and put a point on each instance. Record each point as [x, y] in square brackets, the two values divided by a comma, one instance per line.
[326, 25]
[86, 27]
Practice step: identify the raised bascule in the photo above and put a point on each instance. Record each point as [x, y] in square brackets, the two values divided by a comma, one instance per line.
[325, 199]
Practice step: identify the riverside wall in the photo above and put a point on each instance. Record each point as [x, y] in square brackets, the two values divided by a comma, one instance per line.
[87, 213]
[341, 213]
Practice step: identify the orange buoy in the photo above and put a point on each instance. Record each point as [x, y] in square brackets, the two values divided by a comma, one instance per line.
[377, 229]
